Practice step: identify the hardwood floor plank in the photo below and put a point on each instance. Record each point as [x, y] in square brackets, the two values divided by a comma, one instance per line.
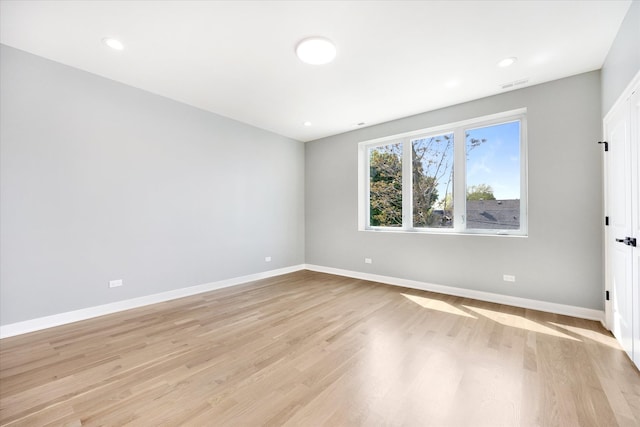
[314, 349]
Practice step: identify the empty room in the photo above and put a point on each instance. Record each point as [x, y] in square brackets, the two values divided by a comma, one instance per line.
[319, 213]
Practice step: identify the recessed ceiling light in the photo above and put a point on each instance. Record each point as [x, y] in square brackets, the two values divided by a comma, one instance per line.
[113, 43]
[452, 83]
[507, 61]
[307, 123]
[316, 51]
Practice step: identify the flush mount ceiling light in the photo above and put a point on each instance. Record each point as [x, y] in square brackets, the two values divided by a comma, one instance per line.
[316, 51]
[307, 123]
[507, 61]
[113, 43]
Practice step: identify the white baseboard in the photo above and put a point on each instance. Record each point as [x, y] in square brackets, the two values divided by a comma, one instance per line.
[40, 323]
[550, 307]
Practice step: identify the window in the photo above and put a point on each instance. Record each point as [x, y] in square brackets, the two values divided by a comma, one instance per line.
[493, 177]
[385, 185]
[432, 176]
[466, 177]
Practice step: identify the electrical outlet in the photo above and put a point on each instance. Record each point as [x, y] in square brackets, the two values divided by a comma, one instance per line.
[115, 283]
[368, 261]
[267, 259]
[508, 278]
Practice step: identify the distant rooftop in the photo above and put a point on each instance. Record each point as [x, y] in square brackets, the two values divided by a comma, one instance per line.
[493, 214]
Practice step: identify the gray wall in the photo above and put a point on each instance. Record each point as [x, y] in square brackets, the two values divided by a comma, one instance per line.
[102, 181]
[623, 60]
[560, 261]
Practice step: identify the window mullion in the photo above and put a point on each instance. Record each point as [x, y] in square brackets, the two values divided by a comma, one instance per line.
[407, 185]
[524, 176]
[459, 181]
[365, 189]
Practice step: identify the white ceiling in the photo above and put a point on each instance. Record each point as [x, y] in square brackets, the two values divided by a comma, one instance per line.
[395, 58]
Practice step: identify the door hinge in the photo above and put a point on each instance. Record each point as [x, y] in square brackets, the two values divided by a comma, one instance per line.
[606, 145]
[606, 295]
[606, 220]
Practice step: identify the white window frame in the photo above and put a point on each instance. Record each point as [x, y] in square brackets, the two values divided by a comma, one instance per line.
[458, 129]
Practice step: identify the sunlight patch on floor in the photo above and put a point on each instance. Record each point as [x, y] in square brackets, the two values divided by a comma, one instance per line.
[519, 322]
[434, 304]
[599, 337]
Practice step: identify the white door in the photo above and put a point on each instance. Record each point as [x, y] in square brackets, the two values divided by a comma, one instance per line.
[620, 265]
[634, 105]
[622, 206]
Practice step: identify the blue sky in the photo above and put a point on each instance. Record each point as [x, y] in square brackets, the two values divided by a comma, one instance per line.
[497, 161]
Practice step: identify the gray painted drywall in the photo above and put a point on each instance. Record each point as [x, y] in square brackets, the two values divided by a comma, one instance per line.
[561, 259]
[103, 181]
[623, 60]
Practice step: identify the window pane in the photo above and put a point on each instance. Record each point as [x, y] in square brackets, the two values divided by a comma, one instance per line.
[385, 186]
[493, 177]
[432, 161]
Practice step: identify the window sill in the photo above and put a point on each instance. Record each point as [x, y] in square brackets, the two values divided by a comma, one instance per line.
[482, 233]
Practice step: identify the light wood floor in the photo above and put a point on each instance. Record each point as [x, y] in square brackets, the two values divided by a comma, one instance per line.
[308, 349]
